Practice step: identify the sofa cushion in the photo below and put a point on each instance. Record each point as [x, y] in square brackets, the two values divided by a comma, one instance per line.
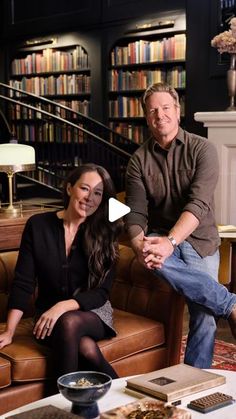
[24, 328]
[135, 334]
[29, 360]
[5, 372]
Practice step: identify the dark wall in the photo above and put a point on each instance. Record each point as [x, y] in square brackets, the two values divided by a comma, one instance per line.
[102, 22]
[96, 25]
[27, 17]
[31, 18]
[206, 77]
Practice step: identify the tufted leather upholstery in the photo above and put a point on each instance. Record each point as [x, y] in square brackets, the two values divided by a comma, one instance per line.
[148, 317]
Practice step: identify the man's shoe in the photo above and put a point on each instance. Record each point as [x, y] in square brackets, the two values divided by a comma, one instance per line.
[232, 321]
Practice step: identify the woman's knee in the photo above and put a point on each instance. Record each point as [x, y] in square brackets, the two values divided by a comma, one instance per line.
[67, 321]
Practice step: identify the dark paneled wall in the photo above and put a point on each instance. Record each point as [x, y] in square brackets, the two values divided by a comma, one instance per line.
[27, 17]
[131, 9]
[102, 22]
[206, 78]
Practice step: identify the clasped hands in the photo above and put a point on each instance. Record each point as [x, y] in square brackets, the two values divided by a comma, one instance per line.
[154, 250]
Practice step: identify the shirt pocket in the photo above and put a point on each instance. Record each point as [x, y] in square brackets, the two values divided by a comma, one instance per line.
[155, 185]
[185, 178]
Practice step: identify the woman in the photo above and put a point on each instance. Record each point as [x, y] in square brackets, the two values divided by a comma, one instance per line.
[70, 255]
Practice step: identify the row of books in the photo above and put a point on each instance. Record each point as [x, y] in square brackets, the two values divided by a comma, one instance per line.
[130, 107]
[144, 51]
[48, 177]
[176, 78]
[50, 60]
[18, 112]
[47, 174]
[224, 4]
[62, 85]
[134, 80]
[81, 106]
[125, 107]
[48, 133]
[136, 133]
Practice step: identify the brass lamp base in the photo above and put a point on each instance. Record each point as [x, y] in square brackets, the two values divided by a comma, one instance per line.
[10, 210]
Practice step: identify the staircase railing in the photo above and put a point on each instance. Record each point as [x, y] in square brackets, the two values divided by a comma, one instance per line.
[64, 137]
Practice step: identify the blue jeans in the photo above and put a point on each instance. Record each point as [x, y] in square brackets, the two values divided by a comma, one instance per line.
[196, 278]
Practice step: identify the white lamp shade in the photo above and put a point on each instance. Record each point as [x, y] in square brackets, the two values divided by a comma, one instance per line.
[16, 154]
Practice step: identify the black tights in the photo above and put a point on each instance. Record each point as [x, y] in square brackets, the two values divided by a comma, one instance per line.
[73, 341]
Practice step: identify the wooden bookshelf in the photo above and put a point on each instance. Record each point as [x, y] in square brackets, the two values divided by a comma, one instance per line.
[60, 73]
[136, 63]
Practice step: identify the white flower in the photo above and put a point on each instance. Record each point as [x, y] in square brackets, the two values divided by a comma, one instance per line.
[233, 26]
[226, 41]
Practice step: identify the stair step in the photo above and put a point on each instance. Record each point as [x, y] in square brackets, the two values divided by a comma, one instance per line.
[35, 193]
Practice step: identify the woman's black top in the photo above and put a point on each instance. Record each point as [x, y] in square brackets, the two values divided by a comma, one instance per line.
[42, 261]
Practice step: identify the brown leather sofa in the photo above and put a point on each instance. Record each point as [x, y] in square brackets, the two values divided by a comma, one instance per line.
[148, 317]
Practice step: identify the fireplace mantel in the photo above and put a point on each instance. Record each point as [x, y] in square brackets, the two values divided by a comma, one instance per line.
[222, 132]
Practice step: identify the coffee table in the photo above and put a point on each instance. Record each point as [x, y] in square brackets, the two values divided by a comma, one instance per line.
[117, 397]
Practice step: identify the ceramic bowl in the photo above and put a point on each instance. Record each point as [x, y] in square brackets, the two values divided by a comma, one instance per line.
[83, 389]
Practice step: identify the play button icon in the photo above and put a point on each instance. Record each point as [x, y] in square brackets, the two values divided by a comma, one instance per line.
[116, 209]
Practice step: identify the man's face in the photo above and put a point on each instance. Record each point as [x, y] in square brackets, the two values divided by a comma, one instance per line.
[162, 115]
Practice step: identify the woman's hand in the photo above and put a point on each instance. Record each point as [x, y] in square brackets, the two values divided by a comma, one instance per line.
[13, 318]
[47, 320]
[5, 339]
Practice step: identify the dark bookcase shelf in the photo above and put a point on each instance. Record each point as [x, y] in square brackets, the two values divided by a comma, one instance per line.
[62, 75]
[135, 63]
[50, 73]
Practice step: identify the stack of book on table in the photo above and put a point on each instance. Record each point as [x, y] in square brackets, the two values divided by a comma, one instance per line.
[172, 383]
[169, 385]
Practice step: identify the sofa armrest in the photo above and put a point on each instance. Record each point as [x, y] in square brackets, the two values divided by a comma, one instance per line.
[7, 268]
[138, 290]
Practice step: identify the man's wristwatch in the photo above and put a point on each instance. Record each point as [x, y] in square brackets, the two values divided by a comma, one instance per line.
[173, 241]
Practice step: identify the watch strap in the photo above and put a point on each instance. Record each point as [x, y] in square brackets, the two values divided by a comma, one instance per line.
[173, 241]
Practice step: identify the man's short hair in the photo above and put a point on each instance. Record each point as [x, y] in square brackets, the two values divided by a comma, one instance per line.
[159, 87]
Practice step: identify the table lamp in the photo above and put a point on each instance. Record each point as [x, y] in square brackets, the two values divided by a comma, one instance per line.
[15, 158]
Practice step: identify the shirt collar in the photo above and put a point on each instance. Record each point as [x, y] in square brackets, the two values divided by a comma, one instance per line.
[179, 137]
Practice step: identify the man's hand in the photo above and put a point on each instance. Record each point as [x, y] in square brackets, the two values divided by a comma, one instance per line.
[156, 250]
[137, 244]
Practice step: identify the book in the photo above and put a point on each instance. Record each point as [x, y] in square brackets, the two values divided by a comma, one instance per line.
[226, 228]
[174, 382]
[146, 408]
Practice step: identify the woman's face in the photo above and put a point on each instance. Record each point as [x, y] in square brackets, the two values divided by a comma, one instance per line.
[86, 194]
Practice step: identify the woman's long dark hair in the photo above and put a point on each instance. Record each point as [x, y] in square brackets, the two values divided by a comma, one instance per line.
[100, 235]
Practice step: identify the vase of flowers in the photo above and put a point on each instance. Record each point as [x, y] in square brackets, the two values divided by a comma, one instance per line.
[226, 42]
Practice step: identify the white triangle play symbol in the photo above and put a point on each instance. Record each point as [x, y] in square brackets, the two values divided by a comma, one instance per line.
[116, 209]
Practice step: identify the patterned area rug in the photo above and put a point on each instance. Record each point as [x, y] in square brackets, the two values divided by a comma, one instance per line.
[224, 355]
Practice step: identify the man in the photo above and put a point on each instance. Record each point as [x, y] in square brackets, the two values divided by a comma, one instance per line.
[170, 185]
